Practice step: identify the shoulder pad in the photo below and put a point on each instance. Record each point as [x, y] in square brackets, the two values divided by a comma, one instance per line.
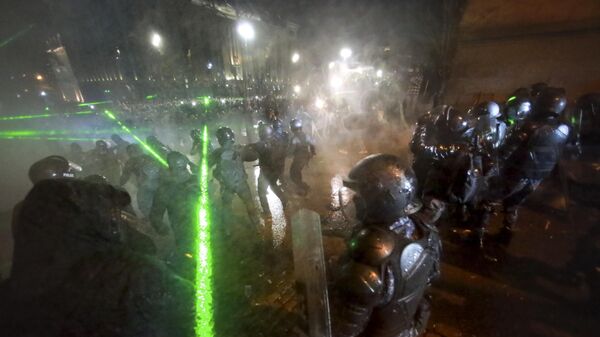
[562, 130]
[409, 257]
[361, 282]
[372, 246]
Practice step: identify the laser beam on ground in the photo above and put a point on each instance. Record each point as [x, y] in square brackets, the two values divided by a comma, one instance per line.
[204, 273]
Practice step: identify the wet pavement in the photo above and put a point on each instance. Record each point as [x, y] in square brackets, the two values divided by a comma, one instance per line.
[539, 285]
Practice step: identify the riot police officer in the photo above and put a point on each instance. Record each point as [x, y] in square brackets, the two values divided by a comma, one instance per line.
[196, 135]
[158, 146]
[393, 256]
[422, 136]
[178, 194]
[303, 149]
[530, 154]
[281, 142]
[270, 170]
[489, 128]
[447, 143]
[72, 274]
[147, 172]
[516, 110]
[120, 148]
[230, 172]
[489, 134]
[52, 167]
[537, 89]
[585, 120]
[103, 161]
[77, 155]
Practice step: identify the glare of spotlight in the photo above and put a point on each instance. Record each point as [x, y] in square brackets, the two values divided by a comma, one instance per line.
[331, 65]
[156, 40]
[297, 89]
[335, 82]
[379, 73]
[319, 103]
[246, 31]
[209, 66]
[295, 58]
[39, 77]
[194, 103]
[345, 53]
[43, 93]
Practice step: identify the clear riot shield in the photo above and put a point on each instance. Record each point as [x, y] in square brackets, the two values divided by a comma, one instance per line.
[309, 270]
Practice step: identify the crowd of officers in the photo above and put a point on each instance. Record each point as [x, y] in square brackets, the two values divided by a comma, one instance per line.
[468, 162]
[465, 163]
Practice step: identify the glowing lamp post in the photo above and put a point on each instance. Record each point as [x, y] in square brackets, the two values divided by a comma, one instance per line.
[345, 53]
[246, 31]
[156, 40]
[295, 57]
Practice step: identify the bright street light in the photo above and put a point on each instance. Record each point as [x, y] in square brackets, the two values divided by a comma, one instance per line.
[295, 58]
[246, 31]
[319, 103]
[345, 53]
[43, 93]
[156, 40]
[39, 77]
[335, 82]
[297, 89]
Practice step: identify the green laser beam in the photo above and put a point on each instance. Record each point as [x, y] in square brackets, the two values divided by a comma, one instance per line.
[204, 273]
[58, 139]
[20, 133]
[17, 35]
[138, 139]
[94, 103]
[511, 98]
[205, 100]
[150, 97]
[12, 118]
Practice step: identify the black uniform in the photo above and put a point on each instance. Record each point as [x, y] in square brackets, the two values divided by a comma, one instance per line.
[281, 142]
[120, 148]
[530, 154]
[71, 275]
[302, 148]
[178, 195]
[392, 258]
[147, 172]
[196, 136]
[270, 167]
[103, 161]
[231, 174]
[422, 136]
[447, 145]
